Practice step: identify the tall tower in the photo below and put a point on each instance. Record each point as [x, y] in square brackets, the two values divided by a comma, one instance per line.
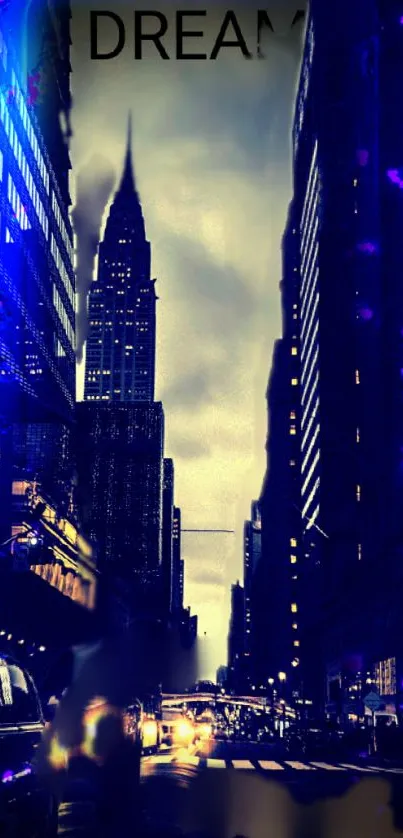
[120, 361]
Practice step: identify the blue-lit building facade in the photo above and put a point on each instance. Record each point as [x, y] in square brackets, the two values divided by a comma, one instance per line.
[43, 602]
[37, 291]
[347, 211]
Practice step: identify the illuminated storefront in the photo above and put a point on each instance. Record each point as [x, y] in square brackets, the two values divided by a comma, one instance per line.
[71, 568]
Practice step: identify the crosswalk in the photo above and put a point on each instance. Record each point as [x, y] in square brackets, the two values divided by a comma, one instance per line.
[175, 761]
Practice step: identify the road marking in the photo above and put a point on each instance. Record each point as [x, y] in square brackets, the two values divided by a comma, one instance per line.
[328, 767]
[357, 767]
[187, 759]
[299, 766]
[161, 760]
[389, 770]
[242, 763]
[216, 763]
[270, 765]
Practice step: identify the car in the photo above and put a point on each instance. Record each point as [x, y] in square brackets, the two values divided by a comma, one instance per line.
[27, 807]
[177, 729]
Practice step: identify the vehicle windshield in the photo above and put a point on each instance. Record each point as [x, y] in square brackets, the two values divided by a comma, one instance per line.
[18, 699]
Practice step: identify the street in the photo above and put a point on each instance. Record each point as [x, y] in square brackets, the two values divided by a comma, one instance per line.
[195, 791]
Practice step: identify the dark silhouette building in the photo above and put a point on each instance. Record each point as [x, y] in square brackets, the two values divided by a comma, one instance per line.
[252, 542]
[120, 355]
[236, 637]
[120, 429]
[177, 562]
[120, 472]
[167, 534]
[275, 628]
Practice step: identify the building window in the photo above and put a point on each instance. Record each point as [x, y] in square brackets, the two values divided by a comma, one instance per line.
[292, 414]
[359, 552]
[295, 626]
[293, 559]
[294, 350]
[358, 493]
[296, 643]
[357, 435]
[294, 382]
[293, 430]
[357, 376]
[294, 608]
[293, 542]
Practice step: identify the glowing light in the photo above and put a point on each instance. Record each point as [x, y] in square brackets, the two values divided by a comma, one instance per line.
[96, 710]
[42, 648]
[9, 776]
[150, 733]
[395, 176]
[58, 755]
[184, 731]
[365, 313]
[362, 157]
[367, 247]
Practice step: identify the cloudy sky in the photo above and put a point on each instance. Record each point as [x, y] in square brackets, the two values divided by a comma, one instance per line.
[211, 142]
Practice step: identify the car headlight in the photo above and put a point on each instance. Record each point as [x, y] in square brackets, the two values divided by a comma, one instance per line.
[184, 730]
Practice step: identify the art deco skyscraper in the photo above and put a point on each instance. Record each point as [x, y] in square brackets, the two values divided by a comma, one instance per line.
[120, 362]
[120, 429]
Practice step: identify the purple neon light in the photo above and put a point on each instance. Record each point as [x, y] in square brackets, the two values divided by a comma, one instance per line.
[362, 156]
[401, 20]
[395, 176]
[9, 776]
[366, 313]
[367, 247]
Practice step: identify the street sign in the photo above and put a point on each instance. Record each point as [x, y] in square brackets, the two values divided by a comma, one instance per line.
[372, 701]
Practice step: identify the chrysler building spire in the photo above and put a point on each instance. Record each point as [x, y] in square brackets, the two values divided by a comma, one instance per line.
[127, 184]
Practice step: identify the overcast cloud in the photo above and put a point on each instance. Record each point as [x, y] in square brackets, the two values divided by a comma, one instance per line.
[212, 158]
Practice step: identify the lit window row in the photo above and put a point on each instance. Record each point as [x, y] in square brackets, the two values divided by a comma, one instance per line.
[26, 121]
[309, 502]
[62, 227]
[62, 270]
[23, 165]
[57, 302]
[17, 205]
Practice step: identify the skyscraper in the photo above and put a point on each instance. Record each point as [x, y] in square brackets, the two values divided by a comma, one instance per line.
[275, 638]
[347, 211]
[37, 285]
[236, 639]
[177, 562]
[120, 357]
[252, 545]
[120, 429]
[167, 533]
[120, 473]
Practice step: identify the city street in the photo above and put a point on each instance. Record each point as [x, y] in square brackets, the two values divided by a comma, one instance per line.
[190, 791]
